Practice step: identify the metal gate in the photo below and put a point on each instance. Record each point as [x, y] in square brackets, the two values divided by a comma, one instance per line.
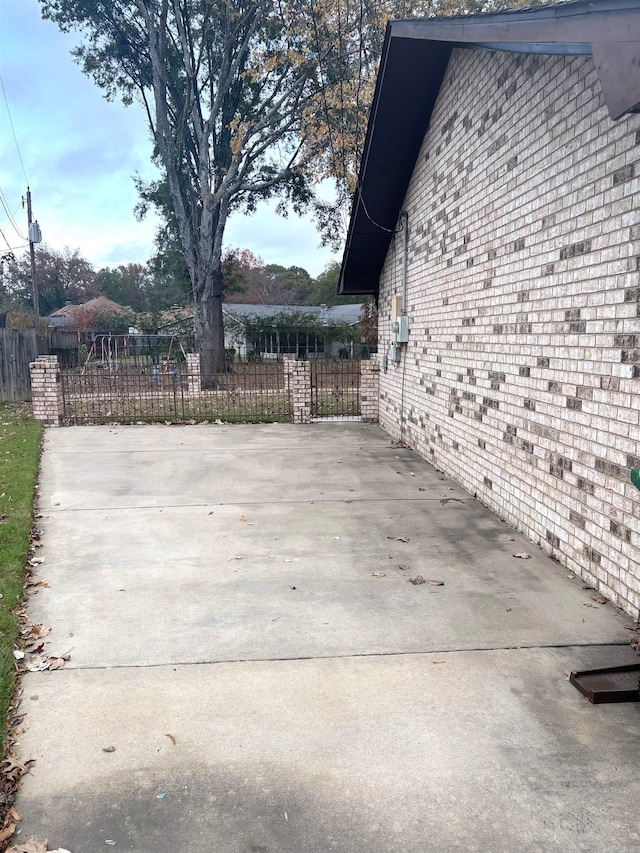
[335, 389]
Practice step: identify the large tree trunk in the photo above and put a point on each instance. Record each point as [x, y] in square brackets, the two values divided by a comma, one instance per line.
[209, 329]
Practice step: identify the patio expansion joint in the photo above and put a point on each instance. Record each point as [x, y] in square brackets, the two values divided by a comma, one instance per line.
[352, 656]
[128, 507]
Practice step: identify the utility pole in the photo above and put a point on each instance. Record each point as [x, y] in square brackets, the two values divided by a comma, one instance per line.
[35, 236]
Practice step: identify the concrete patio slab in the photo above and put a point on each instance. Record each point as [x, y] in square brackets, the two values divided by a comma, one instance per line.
[241, 589]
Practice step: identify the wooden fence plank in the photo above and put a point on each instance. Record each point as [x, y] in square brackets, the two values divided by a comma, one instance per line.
[18, 347]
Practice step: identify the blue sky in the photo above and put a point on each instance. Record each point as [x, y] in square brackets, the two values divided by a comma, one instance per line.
[80, 153]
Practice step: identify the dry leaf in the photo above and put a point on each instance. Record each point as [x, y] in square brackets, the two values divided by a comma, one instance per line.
[523, 556]
[378, 575]
[171, 738]
[108, 749]
[399, 538]
[599, 598]
[402, 566]
[286, 817]
[437, 661]
[436, 583]
[417, 580]
[511, 538]
[31, 845]
[242, 518]
[14, 814]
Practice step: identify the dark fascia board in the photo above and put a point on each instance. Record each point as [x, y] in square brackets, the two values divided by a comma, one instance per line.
[415, 54]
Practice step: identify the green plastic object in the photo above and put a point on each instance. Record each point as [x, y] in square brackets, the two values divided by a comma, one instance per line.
[635, 477]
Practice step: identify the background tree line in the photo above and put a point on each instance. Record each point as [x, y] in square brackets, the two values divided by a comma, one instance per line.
[68, 278]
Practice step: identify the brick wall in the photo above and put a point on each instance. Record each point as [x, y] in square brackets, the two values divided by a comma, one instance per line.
[522, 373]
[46, 390]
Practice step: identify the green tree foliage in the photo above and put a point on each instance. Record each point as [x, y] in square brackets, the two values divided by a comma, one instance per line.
[62, 277]
[128, 284]
[325, 288]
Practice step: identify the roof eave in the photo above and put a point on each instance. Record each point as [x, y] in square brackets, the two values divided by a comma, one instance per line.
[606, 29]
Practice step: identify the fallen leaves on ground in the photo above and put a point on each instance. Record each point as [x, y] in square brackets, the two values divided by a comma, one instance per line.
[42, 663]
[378, 575]
[402, 567]
[523, 556]
[32, 845]
[417, 580]
[436, 583]
[399, 538]
[171, 738]
[108, 749]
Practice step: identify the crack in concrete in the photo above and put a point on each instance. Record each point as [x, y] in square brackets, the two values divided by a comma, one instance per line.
[351, 656]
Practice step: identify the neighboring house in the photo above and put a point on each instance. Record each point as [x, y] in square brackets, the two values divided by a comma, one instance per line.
[306, 331]
[498, 220]
[85, 315]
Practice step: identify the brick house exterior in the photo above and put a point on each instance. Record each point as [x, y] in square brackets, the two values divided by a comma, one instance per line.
[521, 374]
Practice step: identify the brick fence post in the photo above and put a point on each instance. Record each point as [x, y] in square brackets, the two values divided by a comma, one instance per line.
[194, 385]
[298, 382]
[46, 390]
[369, 389]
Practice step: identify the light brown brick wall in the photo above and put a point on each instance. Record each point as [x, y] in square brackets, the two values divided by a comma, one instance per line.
[522, 374]
[46, 390]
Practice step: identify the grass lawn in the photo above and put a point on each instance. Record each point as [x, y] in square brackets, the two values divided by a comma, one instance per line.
[19, 456]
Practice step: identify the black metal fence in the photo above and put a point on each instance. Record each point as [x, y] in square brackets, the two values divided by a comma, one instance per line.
[335, 388]
[127, 380]
[150, 390]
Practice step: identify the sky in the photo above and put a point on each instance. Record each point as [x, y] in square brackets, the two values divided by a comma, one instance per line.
[78, 153]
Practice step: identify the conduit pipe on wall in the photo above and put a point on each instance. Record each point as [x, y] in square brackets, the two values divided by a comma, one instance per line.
[404, 219]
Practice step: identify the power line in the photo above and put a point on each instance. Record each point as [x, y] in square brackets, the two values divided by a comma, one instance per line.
[10, 216]
[15, 138]
[9, 246]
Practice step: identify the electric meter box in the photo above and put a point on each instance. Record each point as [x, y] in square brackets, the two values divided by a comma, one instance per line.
[402, 331]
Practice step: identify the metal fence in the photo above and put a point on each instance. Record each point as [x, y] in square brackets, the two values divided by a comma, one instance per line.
[335, 388]
[148, 391]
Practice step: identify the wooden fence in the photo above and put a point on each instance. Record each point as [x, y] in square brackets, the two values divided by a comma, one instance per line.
[18, 347]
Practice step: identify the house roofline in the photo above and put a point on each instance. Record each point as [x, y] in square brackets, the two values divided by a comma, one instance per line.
[411, 72]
